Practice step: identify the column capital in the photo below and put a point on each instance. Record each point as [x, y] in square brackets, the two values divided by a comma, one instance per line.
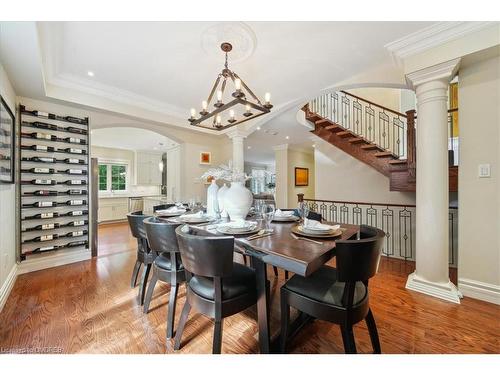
[440, 72]
[237, 133]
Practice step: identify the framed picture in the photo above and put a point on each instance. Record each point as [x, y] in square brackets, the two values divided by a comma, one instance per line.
[7, 142]
[301, 176]
[205, 158]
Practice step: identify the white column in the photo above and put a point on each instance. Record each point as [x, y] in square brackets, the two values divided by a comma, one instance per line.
[237, 136]
[432, 193]
[281, 165]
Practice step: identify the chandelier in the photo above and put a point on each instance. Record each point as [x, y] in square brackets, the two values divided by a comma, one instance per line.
[230, 107]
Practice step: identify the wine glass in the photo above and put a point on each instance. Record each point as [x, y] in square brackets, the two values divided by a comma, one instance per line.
[267, 212]
[303, 211]
[191, 204]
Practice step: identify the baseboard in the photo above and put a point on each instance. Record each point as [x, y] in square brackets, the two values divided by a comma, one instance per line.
[53, 260]
[479, 290]
[446, 291]
[7, 286]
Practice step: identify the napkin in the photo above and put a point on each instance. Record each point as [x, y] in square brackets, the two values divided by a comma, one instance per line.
[280, 213]
[239, 224]
[198, 215]
[316, 225]
[173, 209]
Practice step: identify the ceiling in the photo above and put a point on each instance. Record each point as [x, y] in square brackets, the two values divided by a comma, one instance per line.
[131, 139]
[159, 70]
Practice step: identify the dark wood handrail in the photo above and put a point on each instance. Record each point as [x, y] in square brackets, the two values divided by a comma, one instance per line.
[375, 104]
[359, 203]
[451, 110]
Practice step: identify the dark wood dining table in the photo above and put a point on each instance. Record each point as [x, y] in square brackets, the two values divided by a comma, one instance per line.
[283, 251]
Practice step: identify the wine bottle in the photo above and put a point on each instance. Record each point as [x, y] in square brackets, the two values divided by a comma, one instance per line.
[5, 157]
[47, 237]
[76, 202]
[5, 145]
[40, 204]
[74, 120]
[41, 125]
[75, 213]
[38, 148]
[71, 129]
[42, 193]
[77, 223]
[43, 227]
[44, 136]
[45, 248]
[39, 170]
[38, 159]
[4, 133]
[34, 113]
[40, 182]
[77, 233]
[4, 170]
[74, 182]
[43, 215]
[74, 151]
[76, 243]
[71, 161]
[76, 192]
[73, 171]
[78, 141]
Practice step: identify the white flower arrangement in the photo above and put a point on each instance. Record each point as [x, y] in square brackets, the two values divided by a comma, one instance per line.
[226, 173]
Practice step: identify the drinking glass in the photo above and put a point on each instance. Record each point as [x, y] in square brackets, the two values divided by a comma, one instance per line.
[303, 210]
[267, 212]
[191, 204]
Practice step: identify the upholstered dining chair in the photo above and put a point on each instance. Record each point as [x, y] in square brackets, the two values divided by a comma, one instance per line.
[145, 256]
[163, 206]
[338, 295]
[216, 286]
[167, 265]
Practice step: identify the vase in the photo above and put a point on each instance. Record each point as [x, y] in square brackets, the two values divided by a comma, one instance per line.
[212, 203]
[237, 201]
[220, 199]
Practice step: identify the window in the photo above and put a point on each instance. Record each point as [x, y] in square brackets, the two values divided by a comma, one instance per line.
[262, 181]
[113, 177]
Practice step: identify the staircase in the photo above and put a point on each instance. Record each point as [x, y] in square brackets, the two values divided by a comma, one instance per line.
[378, 136]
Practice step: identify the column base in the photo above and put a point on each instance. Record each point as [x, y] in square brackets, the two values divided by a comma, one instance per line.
[447, 291]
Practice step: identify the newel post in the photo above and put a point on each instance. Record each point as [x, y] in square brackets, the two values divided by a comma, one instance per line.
[411, 157]
[300, 197]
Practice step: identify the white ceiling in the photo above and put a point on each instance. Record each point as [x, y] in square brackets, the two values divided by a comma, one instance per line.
[131, 139]
[158, 70]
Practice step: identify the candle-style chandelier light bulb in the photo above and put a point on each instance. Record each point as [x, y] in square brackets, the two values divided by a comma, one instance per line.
[241, 94]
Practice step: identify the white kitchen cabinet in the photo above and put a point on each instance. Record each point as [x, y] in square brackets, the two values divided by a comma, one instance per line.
[112, 209]
[147, 169]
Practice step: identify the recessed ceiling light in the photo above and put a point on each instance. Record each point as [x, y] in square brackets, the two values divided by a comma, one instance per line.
[314, 146]
[249, 147]
[287, 137]
[258, 127]
[90, 74]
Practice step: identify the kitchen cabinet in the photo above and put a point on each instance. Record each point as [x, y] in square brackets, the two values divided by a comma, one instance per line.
[147, 168]
[112, 209]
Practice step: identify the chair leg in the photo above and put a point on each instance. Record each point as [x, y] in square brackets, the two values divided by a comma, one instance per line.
[149, 294]
[286, 275]
[275, 271]
[372, 329]
[135, 274]
[348, 339]
[217, 343]
[285, 322]
[144, 283]
[182, 323]
[171, 310]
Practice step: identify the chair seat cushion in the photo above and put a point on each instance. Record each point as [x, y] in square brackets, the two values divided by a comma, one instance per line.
[324, 287]
[163, 262]
[241, 281]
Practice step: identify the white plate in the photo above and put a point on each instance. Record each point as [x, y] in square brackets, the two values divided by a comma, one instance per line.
[227, 230]
[285, 218]
[164, 213]
[316, 231]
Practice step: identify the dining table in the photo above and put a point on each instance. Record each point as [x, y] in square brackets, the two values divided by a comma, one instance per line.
[284, 249]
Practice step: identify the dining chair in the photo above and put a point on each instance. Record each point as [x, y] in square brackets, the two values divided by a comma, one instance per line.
[216, 286]
[145, 256]
[163, 206]
[167, 265]
[338, 295]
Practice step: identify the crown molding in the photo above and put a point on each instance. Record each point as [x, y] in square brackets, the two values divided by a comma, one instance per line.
[443, 71]
[433, 36]
[237, 133]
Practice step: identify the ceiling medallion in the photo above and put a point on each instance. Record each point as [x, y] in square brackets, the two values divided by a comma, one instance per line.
[231, 107]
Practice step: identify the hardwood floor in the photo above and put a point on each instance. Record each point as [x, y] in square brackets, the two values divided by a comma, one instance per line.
[88, 307]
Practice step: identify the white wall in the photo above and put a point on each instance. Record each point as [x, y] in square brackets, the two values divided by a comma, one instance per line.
[479, 198]
[7, 210]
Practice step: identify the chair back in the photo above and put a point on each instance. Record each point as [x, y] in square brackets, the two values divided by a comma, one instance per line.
[163, 206]
[312, 215]
[135, 221]
[161, 235]
[357, 260]
[203, 254]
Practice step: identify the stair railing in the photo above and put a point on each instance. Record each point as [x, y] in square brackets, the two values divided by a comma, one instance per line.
[375, 123]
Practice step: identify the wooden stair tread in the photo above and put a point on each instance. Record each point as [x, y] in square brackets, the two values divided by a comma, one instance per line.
[345, 134]
[322, 121]
[356, 140]
[397, 161]
[383, 154]
[369, 147]
[332, 126]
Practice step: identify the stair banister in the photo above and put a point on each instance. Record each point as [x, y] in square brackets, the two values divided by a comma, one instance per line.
[411, 158]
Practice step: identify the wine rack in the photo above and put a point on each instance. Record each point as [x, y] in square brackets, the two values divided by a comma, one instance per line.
[54, 182]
